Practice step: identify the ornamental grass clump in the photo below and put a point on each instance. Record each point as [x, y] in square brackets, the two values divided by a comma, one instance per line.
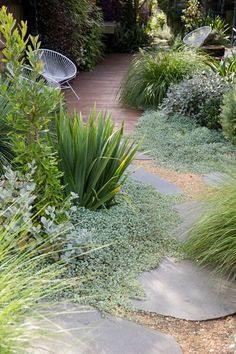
[151, 73]
[213, 239]
[93, 157]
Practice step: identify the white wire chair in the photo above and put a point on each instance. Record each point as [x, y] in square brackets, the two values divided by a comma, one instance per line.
[197, 37]
[57, 67]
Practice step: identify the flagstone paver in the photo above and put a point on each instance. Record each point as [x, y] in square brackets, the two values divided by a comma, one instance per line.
[87, 332]
[161, 185]
[183, 290]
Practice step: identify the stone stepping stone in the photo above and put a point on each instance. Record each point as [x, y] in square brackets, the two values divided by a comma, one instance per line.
[190, 213]
[161, 185]
[186, 291]
[87, 332]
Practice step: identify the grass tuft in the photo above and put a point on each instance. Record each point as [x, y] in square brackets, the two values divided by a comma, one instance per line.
[213, 239]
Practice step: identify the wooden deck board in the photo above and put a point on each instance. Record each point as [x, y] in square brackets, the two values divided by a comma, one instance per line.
[100, 87]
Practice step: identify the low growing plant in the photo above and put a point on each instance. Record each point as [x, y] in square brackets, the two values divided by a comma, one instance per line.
[151, 73]
[186, 145]
[198, 97]
[228, 115]
[93, 157]
[212, 240]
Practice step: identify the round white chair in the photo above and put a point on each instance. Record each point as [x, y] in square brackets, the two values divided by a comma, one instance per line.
[57, 67]
[197, 37]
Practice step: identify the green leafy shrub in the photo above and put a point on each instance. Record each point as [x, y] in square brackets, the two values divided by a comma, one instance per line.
[199, 97]
[130, 39]
[75, 29]
[151, 73]
[32, 109]
[212, 240]
[179, 143]
[130, 34]
[93, 157]
[192, 15]
[228, 115]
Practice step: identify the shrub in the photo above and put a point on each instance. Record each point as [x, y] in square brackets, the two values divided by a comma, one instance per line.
[151, 74]
[228, 115]
[212, 240]
[130, 39]
[32, 109]
[199, 97]
[75, 29]
[17, 201]
[130, 34]
[192, 15]
[93, 157]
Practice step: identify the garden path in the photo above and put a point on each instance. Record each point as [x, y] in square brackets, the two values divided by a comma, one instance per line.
[100, 87]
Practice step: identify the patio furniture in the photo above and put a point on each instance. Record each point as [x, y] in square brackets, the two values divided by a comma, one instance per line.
[58, 67]
[197, 37]
[26, 74]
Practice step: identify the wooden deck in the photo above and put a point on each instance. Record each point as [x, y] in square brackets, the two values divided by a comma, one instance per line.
[100, 87]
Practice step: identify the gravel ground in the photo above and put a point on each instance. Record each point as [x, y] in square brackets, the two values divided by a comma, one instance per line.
[191, 183]
[214, 336]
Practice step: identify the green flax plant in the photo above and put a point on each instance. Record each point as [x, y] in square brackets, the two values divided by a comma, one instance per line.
[212, 240]
[93, 157]
[151, 73]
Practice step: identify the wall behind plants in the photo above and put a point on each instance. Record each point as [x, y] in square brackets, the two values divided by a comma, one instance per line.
[72, 27]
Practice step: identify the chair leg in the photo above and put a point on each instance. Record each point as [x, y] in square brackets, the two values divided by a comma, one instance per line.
[70, 87]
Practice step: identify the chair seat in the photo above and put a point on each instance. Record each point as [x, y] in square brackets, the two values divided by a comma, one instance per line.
[197, 37]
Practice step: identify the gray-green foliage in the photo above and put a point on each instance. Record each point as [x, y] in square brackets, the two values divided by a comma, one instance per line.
[151, 73]
[228, 115]
[179, 143]
[135, 235]
[199, 97]
[212, 240]
[17, 198]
